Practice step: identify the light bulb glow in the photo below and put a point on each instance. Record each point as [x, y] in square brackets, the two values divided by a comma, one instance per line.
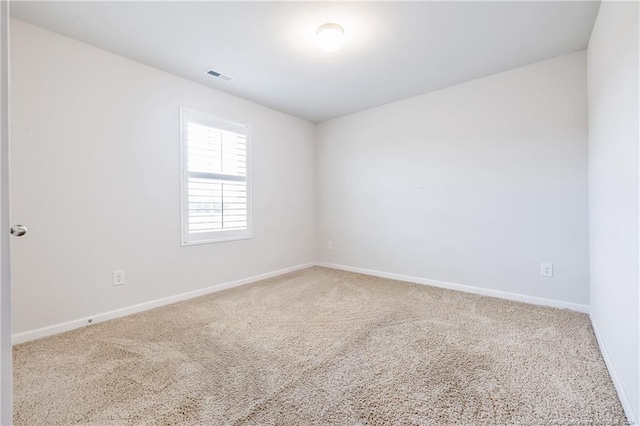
[330, 37]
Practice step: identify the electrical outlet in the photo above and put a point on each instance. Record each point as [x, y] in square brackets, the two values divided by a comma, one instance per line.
[118, 277]
[329, 245]
[546, 269]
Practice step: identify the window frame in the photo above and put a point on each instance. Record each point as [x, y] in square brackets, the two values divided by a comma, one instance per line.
[190, 115]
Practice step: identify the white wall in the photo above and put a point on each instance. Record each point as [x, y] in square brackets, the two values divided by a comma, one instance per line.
[476, 184]
[95, 177]
[613, 192]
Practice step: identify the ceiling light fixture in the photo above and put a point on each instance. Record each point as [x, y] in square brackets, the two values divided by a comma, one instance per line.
[330, 37]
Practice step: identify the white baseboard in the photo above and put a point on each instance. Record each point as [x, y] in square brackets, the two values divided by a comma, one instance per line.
[82, 322]
[624, 399]
[465, 288]
[105, 316]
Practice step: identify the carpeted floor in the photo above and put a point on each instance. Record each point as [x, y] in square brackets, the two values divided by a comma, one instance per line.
[320, 346]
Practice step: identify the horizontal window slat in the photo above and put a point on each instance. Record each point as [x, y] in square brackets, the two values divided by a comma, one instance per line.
[200, 168]
[201, 220]
[209, 226]
[210, 185]
[199, 205]
[204, 198]
[202, 146]
[200, 158]
[203, 204]
[209, 211]
[202, 138]
[202, 193]
[233, 153]
[207, 200]
[234, 196]
[205, 188]
[217, 176]
[196, 156]
[194, 134]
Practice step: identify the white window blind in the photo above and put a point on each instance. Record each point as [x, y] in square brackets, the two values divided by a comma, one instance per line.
[215, 179]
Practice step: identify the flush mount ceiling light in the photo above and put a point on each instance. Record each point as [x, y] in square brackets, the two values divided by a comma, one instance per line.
[330, 37]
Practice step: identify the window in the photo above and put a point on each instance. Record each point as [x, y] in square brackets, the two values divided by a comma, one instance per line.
[215, 179]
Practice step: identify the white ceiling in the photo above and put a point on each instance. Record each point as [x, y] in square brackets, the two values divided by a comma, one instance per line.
[392, 50]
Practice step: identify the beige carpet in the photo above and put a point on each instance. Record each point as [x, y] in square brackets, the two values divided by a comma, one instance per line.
[322, 347]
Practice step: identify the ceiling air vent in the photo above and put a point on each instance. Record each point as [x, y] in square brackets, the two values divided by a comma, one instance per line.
[216, 74]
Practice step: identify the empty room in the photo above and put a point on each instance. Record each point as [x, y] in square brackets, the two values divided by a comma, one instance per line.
[319, 213]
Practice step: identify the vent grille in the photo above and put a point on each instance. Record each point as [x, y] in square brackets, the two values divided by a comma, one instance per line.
[216, 74]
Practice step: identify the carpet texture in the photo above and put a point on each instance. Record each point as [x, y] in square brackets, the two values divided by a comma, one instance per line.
[321, 346]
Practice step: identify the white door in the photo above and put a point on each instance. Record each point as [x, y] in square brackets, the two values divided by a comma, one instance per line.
[6, 405]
